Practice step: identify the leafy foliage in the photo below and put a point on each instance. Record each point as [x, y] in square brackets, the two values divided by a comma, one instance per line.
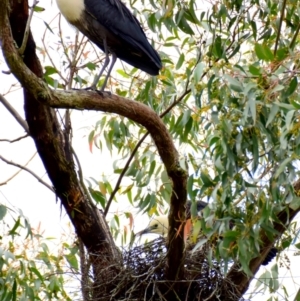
[29, 269]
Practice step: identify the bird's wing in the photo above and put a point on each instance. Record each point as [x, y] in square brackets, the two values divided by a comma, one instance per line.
[117, 19]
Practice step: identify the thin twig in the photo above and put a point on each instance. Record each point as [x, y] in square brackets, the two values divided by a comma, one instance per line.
[14, 140]
[84, 271]
[123, 173]
[13, 88]
[48, 54]
[292, 44]
[62, 40]
[14, 113]
[27, 29]
[279, 27]
[72, 69]
[26, 169]
[80, 174]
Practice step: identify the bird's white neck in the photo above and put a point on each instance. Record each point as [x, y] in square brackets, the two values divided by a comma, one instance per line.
[71, 9]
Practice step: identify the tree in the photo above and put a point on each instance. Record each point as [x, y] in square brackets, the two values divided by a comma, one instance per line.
[228, 100]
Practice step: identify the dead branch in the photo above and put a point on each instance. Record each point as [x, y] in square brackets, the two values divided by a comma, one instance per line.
[23, 167]
[14, 113]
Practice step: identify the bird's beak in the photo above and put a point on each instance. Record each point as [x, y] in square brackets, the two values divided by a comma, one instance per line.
[145, 231]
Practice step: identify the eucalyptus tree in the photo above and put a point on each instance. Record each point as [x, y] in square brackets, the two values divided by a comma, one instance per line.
[218, 124]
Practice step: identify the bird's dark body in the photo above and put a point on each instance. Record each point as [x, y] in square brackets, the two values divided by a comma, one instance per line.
[111, 20]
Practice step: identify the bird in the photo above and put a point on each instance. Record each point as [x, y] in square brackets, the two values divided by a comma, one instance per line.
[160, 224]
[115, 30]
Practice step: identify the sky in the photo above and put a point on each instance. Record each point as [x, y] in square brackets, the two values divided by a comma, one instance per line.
[26, 193]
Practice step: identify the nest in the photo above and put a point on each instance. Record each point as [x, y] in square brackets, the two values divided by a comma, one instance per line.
[142, 277]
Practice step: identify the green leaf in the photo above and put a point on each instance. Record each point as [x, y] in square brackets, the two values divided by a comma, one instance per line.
[273, 113]
[289, 119]
[196, 230]
[255, 152]
[282, 167]
[198, 72]
[48, 27]
[187, 130]
[15, 227]
[37, 273]
[255, 71]
[152, 167]
[91, 140]
[295, 203]
[72, 260]
[116, 217]
[152, 21]
[3, 211]
[232, 235]
[200, 243]
[206, 180]
[98, 197]
[263, 52]
[191, 12]
[49, 70]
[190, 185]
[38, 9]
[234, 84]
[145, 202]
[292, 86]
[182, 121]
[254, 28]
[295, 104]
[234, 52]
[218, 48]
[263, 279]
[131, 171]
[14, 291]
[91, 66]
[180, 61]
[252, 104]
[282, 53]
[123, 73]
[274, 273]
[182, 23]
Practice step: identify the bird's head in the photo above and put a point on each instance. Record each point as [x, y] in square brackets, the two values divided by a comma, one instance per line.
[157, 225]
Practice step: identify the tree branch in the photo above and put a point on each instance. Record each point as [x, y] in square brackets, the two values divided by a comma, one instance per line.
[279, 26]
[14, 113]
[14, 140]
[123, 173]
[27, 29]
[26, 169]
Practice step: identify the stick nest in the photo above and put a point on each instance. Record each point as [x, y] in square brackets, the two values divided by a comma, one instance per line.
[141, 276]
